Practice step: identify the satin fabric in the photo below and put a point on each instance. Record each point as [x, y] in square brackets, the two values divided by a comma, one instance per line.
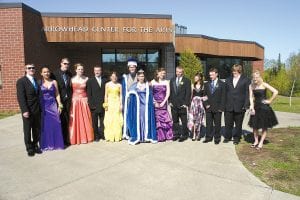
[80, 126]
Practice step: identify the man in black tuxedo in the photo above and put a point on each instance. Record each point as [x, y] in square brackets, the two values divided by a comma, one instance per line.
[96, 92]
[215, 104]
[180, 99]
[63, 77]
[28, 97]
[237, 102]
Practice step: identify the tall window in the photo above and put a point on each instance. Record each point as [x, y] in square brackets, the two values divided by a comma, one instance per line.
[224, 66]
[116, 60]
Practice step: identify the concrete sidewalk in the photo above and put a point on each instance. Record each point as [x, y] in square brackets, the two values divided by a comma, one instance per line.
[170, 170]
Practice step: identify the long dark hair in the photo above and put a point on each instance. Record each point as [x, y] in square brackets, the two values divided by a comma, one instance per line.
[200, 75]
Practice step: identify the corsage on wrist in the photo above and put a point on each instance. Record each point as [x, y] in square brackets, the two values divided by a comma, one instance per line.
[105, 105]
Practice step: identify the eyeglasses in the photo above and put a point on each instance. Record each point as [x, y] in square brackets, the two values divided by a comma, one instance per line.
[30, 67]
[66, 63]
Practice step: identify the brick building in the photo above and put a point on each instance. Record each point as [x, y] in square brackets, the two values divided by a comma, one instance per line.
[28, 36]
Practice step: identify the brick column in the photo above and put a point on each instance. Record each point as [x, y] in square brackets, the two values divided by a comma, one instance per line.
[11, 55]
[258, 65]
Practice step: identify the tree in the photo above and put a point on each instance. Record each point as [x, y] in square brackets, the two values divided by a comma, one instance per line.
[190, 63]
[293, 64]
[270, 63]
[279, 64]
[281, 82]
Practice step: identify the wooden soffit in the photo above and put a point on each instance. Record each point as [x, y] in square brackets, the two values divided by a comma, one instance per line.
[201, 44]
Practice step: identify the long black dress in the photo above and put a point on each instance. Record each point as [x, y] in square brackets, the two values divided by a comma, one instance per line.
[264, 116]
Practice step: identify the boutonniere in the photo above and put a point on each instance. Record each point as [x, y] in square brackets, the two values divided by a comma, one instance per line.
[217, 85]
[181, 83]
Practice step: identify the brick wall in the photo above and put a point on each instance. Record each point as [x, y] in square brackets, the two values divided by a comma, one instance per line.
[37, 49]
[258, 65]
[11, 55]
[22, 41]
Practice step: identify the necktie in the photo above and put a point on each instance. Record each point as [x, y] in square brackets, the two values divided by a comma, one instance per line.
[177, 81]
[212, 86]
[34, 84]
[65, 78]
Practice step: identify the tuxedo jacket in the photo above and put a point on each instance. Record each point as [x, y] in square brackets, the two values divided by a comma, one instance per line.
[65, 90]
[96, 94]
[215, 99]
[237, 98]
[28, 97]
[180, 95]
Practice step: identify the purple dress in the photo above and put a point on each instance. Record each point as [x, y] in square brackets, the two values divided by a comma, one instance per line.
[51, 133]
[142, 98]
[162, 117]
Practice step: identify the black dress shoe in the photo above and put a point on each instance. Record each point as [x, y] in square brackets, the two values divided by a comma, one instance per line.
[226, 140]
[207, 140]
[235, 142]
[67, 144]
[102, 137]
[97, 140]
[30, 153]
[38, 150]
[175, 138]
[181, 139]
[217, 141]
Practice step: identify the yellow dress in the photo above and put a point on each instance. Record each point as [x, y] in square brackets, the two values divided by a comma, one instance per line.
[113, 120]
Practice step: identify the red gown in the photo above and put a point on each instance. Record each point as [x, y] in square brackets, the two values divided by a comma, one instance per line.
[80, 126]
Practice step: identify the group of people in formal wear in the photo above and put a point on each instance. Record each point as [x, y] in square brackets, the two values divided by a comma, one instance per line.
[61, 110]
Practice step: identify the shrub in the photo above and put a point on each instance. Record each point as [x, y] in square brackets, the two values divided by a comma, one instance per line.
[190, 63]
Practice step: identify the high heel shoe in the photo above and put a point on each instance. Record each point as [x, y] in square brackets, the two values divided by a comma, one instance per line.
[258, 148]
[193, 139]
[254, 145]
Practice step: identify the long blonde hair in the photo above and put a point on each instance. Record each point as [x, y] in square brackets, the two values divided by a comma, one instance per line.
[259, 80]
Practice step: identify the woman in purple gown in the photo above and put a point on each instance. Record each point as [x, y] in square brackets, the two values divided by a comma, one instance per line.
[161, 93]
[51, 133]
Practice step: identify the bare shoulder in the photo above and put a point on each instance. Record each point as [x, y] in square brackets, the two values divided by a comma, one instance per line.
[266, 85]
[107, 83]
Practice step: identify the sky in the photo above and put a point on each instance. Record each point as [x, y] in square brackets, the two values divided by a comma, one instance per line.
[273, 24]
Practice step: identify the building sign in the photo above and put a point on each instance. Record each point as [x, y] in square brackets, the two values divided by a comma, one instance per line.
[80, 29]
[110, 29]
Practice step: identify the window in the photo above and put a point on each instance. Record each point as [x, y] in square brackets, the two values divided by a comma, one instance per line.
[124, 54]
[108, 56]
[116, 60]
[223, 65]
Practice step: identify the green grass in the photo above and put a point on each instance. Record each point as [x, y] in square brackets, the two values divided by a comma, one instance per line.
[7, 114]
[278, 163]
[282, 103]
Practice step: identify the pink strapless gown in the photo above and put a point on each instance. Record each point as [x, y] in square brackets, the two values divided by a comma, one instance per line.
[80, 126]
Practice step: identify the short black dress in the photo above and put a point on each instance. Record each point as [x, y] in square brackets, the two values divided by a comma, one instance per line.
[264, 116]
